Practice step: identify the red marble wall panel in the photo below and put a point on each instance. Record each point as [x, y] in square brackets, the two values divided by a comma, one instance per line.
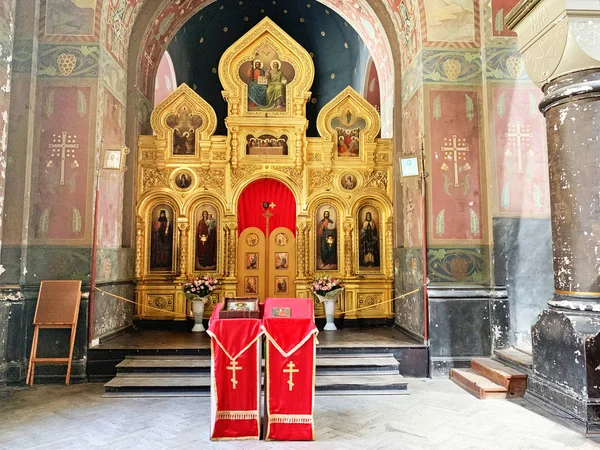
[500, 9]
[455, 178]
[520, 152]
[61, 206]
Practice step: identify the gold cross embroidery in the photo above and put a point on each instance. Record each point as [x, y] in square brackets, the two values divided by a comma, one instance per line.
[233, 367]
[290, 369]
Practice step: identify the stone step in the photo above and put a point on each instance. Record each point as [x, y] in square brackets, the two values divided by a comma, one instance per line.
[513, 380]
[326, 365]
[361, 385]
[515, 358]
[478, 385]
[168, 384]
[148, 386]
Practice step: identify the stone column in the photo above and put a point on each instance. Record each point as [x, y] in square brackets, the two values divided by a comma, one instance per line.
[558, 41]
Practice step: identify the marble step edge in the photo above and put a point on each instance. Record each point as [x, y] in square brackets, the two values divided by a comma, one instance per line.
[338, 372]
[205, 363]
[477, 385]
[324, 393]
[357, 382]
[207, 357]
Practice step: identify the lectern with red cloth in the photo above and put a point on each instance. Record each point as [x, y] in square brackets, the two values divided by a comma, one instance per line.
[289, 369]
[235, 377]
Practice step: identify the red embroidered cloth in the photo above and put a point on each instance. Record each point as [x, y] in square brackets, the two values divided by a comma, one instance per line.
[290, 369]
[235, 377]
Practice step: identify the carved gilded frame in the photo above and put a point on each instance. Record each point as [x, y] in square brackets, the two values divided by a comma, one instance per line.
[349, 100]
[235, 90]
[183, 96]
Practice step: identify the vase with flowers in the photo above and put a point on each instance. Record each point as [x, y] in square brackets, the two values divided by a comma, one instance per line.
[327, 290]
[198, 290]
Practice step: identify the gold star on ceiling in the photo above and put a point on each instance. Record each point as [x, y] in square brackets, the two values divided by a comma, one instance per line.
[313, 100]
[201, 40]
[225, 29]
[332, 76]
[214, 70]
[322, 33]
[246, 19]
[302, 19]
[346, 44]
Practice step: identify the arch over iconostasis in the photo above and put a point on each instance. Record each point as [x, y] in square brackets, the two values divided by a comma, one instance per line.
[340, 188]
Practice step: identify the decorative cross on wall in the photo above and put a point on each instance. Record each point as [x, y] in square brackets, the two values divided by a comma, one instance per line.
[518, 137]
[456, 152]
[63, 146]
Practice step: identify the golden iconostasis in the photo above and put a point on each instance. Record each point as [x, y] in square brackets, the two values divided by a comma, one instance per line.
[335, 190]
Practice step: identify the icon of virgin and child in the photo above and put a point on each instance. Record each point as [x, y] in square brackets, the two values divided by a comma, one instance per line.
[266, 89]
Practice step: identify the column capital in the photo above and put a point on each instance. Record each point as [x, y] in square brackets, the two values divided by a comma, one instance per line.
[556, 37]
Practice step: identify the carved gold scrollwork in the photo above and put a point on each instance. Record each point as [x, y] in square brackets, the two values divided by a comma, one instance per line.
[183, 247]
[218, 156]
[294, 173]
[376, 178]
[314, 157]
[320, 179]
[155, 177]
[139, 247]
[240, 173]
[348, 229]
[382, 158]
[211, 179]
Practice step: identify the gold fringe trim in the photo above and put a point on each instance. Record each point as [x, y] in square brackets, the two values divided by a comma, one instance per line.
[237, 415]
[291, 418]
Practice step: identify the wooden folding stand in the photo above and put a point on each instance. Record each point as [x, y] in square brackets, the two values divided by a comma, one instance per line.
[57, 307]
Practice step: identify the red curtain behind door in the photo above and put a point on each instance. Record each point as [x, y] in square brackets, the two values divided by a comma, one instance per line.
[250, 210]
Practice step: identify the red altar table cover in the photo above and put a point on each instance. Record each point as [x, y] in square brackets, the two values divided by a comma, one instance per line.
[290, 370]
[235, 377]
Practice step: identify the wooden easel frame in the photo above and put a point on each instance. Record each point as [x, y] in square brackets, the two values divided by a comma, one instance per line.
[55, 310]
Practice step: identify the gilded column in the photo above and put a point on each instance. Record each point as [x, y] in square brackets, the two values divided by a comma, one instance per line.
[139, 247]
[389, 246]
[559, 45]
[301, 228]
[231, 229]
[348, 229]
[183, 247]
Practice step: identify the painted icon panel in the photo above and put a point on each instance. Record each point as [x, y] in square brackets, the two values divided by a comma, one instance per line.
[251, 285]
[282, 261]
[267, 144]
[184, 125]
[327, 238]
[161, 240]
[206, 237]
[369, 238]
[281, 285]
[251, 261]
[267, 77]
[348, 127]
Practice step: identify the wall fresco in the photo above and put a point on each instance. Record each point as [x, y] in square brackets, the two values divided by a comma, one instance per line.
[450, 24]
[500, 9]
[113, 121]
[121, 14]
[520, 152]
[75, 19]
[456, 198]
[61, 206]
[110, 209]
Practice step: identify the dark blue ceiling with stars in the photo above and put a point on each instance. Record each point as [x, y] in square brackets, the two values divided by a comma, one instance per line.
[339, 54]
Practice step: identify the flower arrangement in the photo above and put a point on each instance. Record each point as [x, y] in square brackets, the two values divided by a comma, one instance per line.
[199, 287]
[325, 286]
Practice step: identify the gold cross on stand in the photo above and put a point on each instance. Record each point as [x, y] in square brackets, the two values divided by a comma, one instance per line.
[456, 154]
[290, 369]
[233, 367]
[63, 146]
[519, 136]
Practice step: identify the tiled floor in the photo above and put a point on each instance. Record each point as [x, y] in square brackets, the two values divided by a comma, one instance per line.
[437, 415]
